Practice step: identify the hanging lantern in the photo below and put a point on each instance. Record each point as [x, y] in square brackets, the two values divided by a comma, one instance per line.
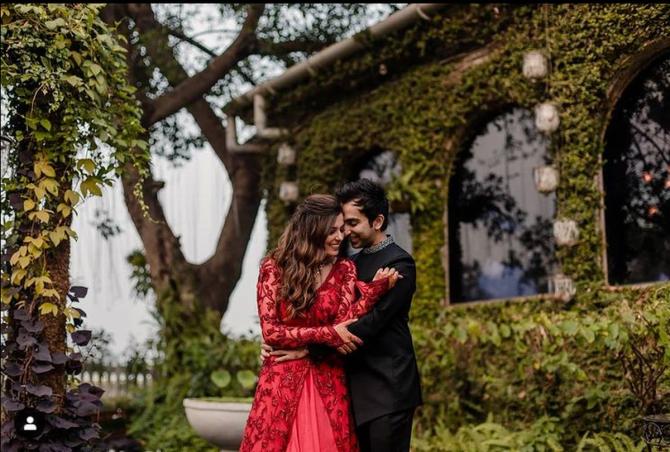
[546, 117]
[288, 192]
[535, 65]
[562, 286]
[546, 178]
[566, 232]
[286, 155]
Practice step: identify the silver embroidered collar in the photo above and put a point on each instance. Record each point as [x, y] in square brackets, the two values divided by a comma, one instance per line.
[380, 246]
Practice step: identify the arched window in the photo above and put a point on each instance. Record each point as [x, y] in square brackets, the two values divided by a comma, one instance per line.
[382, 167]
[500, 226]
[636, 177]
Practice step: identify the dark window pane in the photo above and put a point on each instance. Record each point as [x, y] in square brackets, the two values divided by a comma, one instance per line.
[500, 227]
[636, 175]
[382, 168]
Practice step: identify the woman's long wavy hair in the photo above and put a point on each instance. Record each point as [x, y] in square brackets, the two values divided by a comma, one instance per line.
[301, 249]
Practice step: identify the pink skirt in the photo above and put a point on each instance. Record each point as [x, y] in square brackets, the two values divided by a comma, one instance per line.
[311, 429]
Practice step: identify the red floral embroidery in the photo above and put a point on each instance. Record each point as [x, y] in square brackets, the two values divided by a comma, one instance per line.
[280, 384]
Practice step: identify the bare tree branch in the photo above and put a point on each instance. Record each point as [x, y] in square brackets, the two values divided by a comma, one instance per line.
[192, 88]
[222, 30]
[245, 74]
[182, 37]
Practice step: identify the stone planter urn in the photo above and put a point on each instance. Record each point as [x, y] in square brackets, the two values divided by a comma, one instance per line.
[220, 421]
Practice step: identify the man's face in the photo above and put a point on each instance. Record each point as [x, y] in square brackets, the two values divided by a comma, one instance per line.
[356, 226]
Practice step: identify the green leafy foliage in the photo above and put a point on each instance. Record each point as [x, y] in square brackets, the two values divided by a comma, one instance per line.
[64, 96]
[542, 435]
[609, 442]
[221, 378]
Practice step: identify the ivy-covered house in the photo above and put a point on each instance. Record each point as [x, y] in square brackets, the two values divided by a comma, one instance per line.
[526, 151]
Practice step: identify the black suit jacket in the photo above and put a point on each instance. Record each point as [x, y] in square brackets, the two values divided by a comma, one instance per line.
[383, 374]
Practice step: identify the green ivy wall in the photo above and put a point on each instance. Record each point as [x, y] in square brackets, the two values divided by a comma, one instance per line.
[521, 362]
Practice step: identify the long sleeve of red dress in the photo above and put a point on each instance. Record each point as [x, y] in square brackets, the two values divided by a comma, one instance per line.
[275, 332]
[349, 307]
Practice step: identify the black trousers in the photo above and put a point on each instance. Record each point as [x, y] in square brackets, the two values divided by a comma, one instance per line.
[389, 433]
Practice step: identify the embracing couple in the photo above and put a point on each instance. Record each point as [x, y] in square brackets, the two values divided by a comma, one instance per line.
[339, 372]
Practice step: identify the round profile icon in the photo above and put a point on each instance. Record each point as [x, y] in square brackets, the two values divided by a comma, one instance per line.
[29, 423]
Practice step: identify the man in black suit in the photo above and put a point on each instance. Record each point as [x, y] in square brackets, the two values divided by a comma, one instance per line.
[383, 374]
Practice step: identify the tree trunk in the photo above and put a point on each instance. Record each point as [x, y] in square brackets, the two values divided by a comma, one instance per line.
[54, 334]
[57, 264]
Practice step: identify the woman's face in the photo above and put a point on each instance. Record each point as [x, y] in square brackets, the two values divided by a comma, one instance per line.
[335, 237]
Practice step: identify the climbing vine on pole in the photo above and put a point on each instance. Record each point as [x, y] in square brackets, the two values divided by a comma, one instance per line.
[70, 125]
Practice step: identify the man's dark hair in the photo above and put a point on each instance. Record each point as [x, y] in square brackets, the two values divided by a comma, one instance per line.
[368, 196]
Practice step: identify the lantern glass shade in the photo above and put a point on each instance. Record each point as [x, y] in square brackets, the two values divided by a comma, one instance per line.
[288, 192]
[286, 155]
[563, 287]
[546, 117]
[546, 178]
[566, 232]
[535, 65]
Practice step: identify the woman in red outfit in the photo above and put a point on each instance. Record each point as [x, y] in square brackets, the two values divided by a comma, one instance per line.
[307, 294]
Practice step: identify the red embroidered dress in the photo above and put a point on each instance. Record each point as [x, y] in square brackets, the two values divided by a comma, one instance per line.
[301, 405]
